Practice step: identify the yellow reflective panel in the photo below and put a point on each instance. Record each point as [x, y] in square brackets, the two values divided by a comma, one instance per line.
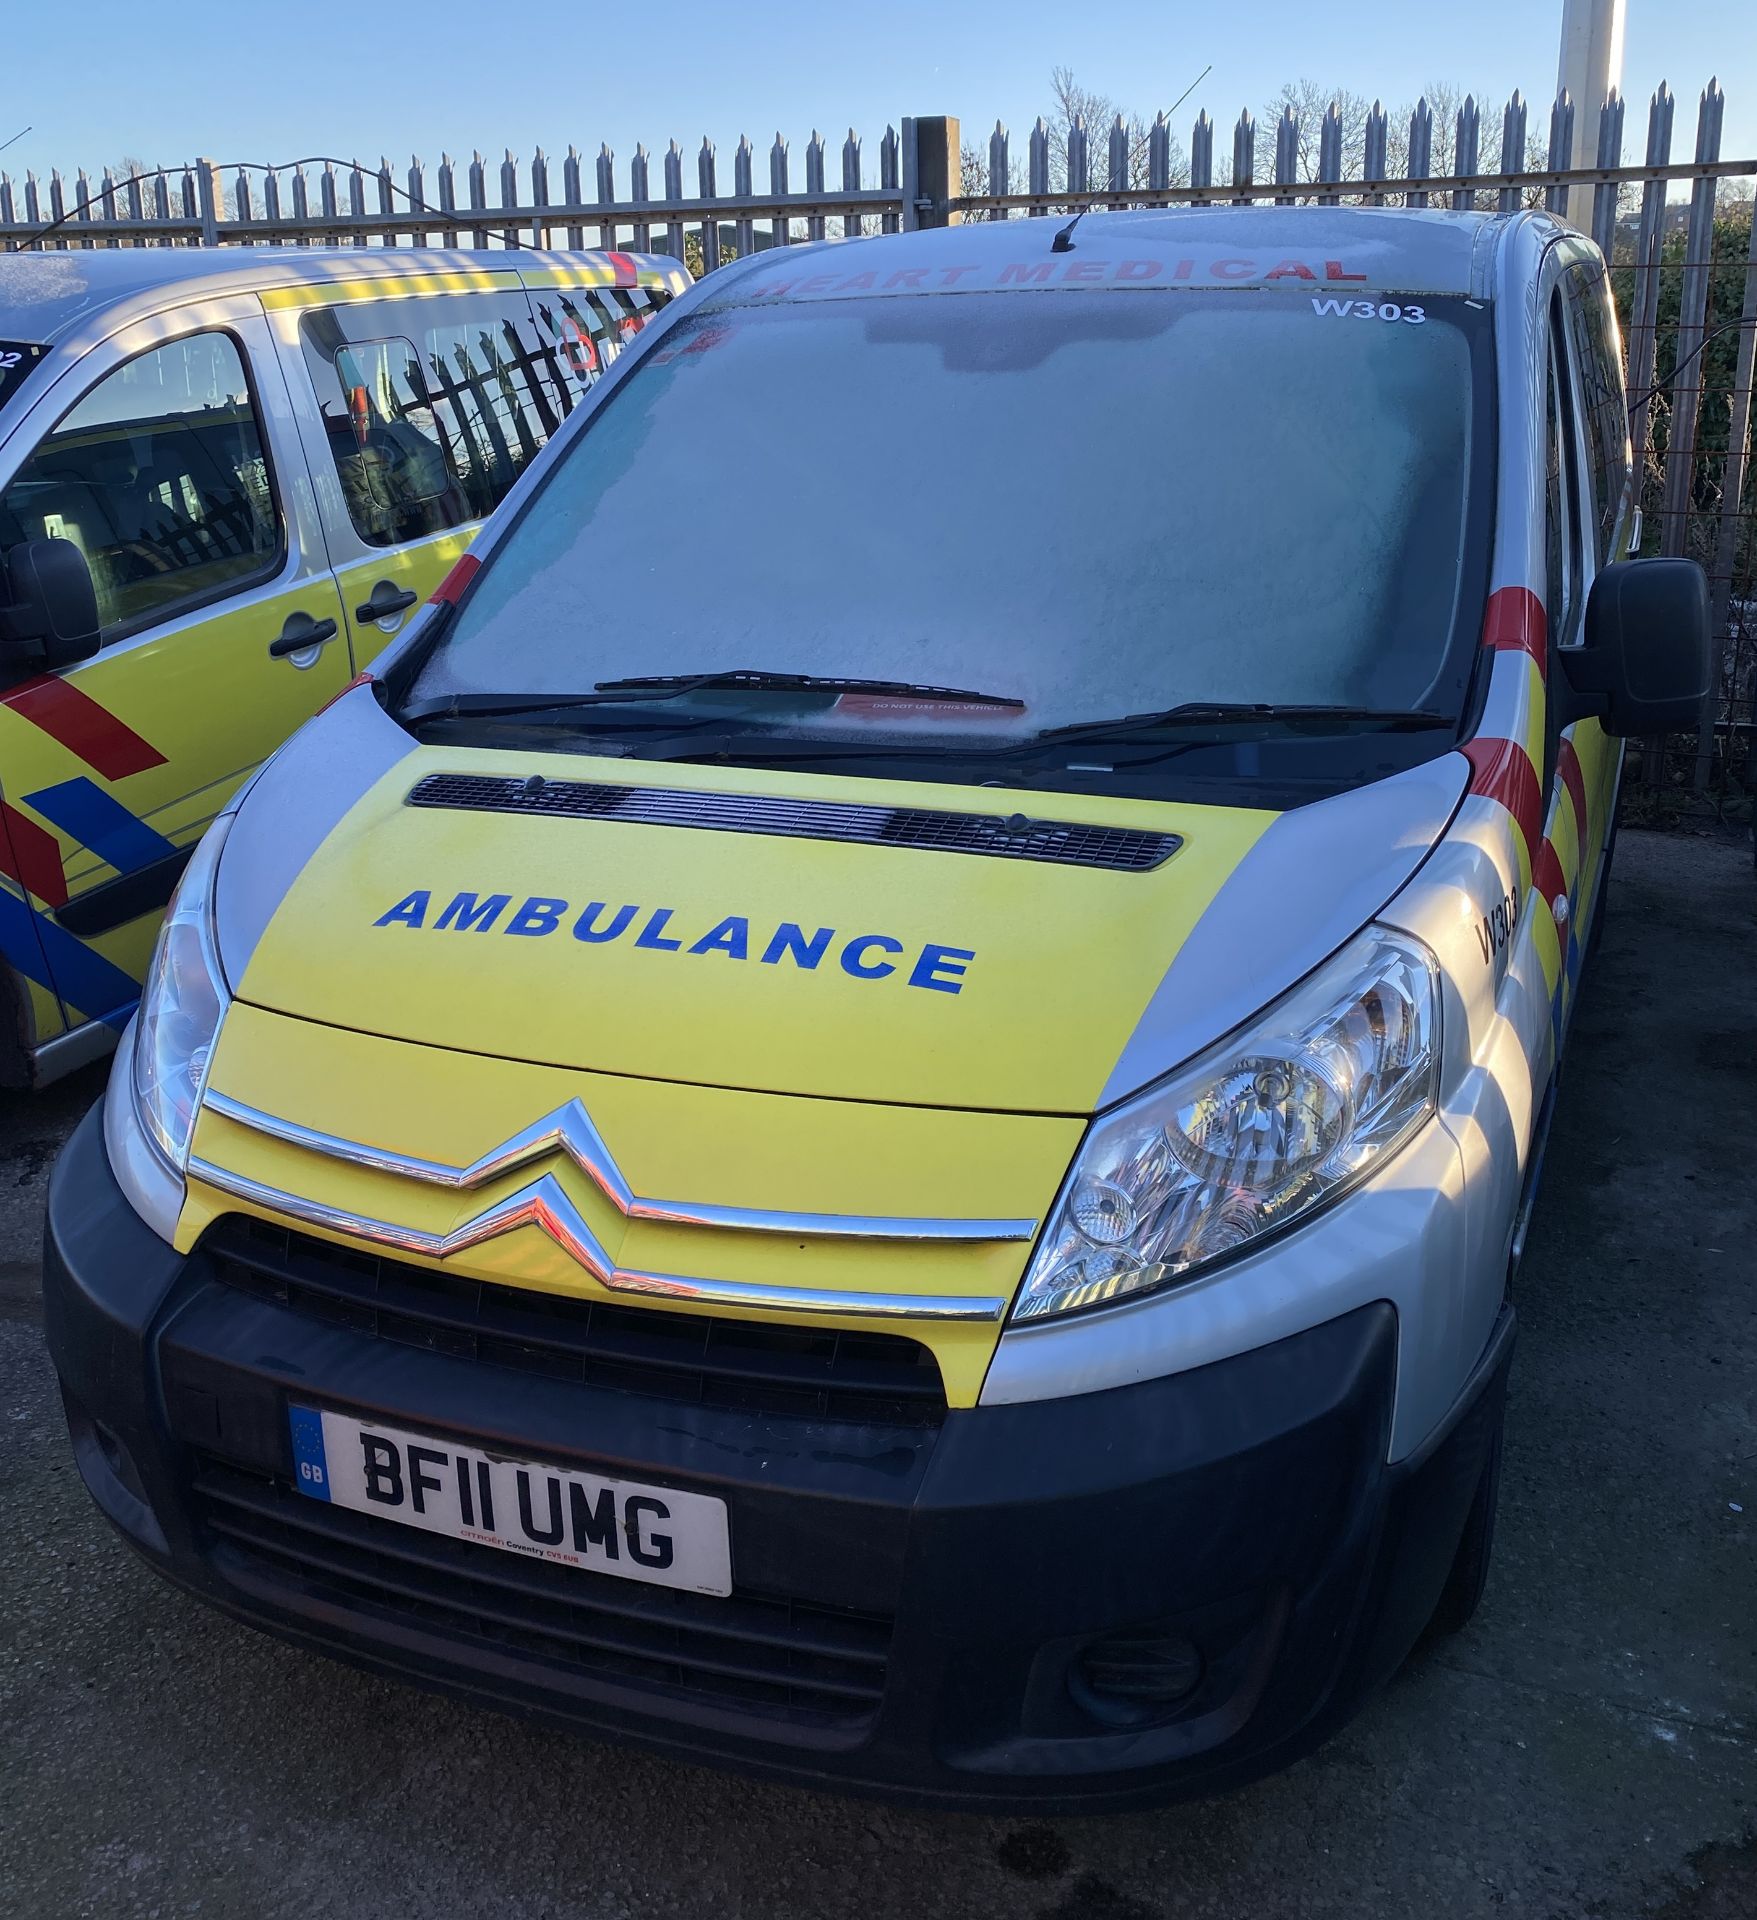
[700, 982]
[126, 758]
[324, 293]
[46, 1017]
[677, 1143]
[415, 569]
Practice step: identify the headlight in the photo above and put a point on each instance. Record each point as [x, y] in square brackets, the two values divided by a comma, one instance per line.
[181, 1008]
[1262, 1131]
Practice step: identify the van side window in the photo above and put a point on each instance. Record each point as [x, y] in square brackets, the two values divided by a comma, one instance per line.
[582, 332]
[1598, 358]
[160, 478]
[1561, 496]
[434, 407]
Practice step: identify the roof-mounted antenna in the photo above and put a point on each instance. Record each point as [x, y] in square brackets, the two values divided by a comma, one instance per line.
[1064, 239]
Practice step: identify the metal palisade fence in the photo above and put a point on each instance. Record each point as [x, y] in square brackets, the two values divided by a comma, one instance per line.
[1678, 232]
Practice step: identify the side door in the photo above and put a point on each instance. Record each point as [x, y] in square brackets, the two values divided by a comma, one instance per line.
[168, 456]
[427, 404]
[1610, 523]
[1588, 507]
[412, 433]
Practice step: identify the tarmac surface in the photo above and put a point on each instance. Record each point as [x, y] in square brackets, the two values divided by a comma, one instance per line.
[1585, 1750]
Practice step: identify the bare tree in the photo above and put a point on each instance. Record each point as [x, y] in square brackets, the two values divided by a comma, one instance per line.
[1098, 113]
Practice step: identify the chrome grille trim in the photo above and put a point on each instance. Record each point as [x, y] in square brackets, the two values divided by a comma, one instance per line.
[544, 1204]
[1000, 836]
[570, 1130]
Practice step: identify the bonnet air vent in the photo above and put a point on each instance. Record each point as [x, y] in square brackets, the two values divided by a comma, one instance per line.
[1007, 837]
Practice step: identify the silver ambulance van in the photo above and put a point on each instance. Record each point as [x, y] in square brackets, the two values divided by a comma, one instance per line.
[871, 1112]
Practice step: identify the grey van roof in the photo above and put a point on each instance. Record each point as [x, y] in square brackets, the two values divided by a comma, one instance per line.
[44, 296]
[1333, 248]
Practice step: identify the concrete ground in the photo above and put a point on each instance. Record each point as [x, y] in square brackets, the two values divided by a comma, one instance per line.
[1588, 1747]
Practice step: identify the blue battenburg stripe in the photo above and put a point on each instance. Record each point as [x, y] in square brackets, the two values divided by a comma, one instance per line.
[53, 958]
[85, 812]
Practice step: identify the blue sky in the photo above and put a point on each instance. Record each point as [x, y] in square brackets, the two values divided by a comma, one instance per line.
[268, 82]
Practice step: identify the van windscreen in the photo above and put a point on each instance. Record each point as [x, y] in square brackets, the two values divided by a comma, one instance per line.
[1082, 503]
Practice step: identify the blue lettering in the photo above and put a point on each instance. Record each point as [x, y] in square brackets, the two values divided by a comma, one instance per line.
[854, 956]
[586, 926]
[790, 939]
[941, 968]
[467, 914]
[411, 911]
[730, 936]
[653, 933]
[537, 915]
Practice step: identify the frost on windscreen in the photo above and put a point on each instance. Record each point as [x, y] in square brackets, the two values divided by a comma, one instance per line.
[1094, 502]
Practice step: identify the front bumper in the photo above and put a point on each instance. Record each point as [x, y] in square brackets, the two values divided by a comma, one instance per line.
[912, 1602]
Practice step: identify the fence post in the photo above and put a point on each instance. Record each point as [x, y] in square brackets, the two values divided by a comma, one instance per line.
[386, 200]
[1000, 168]
[1037, 172]
[606, 192]
[448, 197]
[707, 175]
[417, 197]
[1644, 306]
[781, 227]
[1244, 155]
[209, 198]
[1421, 150]
[1375, 144]
[1610, 154]
[540, 197]
[851, 227]
[1330, 152]
[743, 226]
[674, 191]
[1512, 149]
[1556, 200]
[640, 187]
[1464, 153]
[931, 171]
[1159, 153]
[1201, 156]
[1286, 155]
[814, 183]
[1118, 159]
[1686, 383]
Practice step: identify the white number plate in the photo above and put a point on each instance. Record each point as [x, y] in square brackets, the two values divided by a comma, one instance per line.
[656, 1534]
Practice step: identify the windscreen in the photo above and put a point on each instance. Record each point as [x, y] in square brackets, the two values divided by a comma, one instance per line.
[1084, 503]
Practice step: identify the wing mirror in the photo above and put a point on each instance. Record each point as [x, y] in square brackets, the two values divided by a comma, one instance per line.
[49, 617]
[1643, 665]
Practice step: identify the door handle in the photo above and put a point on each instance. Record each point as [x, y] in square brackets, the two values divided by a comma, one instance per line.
[387, 598]
[300, 632]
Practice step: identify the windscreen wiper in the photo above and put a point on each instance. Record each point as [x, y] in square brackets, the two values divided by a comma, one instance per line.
[802, 683]
[1186, 721]
[667, 686]
[1199, 713]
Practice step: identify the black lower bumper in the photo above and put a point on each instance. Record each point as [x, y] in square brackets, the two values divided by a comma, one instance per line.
[928, 1611]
